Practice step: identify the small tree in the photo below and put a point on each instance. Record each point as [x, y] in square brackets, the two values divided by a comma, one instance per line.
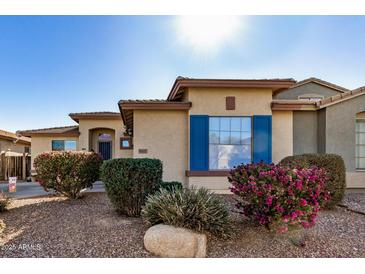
[67, 172]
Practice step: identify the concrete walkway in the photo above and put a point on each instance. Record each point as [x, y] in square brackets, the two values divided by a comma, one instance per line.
[28, 190]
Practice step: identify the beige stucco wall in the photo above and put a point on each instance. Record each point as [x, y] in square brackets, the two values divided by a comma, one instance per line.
[282, 135]
[164, 134]
[7, 145]
[355, 179]
[219, 185]
[44, 144]
[87, 142]
[212, 101]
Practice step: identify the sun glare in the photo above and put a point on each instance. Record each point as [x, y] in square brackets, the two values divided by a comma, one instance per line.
[207, 33]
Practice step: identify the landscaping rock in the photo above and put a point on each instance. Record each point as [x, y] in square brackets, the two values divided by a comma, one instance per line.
[172, 242]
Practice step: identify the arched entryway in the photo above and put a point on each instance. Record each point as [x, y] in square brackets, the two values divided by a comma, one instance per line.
[102, 141]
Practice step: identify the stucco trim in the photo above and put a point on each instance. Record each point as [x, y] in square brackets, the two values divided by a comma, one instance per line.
[207, 173]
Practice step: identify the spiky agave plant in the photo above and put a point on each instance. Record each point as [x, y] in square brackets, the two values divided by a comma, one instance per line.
[196, 209]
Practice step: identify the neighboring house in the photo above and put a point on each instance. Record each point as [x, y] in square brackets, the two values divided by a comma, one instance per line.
[101, 132]
[14, 152]
[207, 126]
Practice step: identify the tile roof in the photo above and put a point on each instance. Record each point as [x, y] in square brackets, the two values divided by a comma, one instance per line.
[143, 101]
[13, 137]
[63, 131]
[94, 115]
[314, 105]
[320, 82]
[340, 97]
[180, 83]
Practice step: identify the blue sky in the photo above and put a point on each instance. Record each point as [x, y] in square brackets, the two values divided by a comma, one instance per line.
[51, 66]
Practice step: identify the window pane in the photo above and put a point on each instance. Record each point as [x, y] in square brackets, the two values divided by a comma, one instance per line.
[214, 137]
[360, 162]
[213, 156]
[229, 142]
[225, 124]
[235, 138]
[236, 124]
[360, 138]
[214, 123]
[360, 126]
[58, 145]
[228, 156]
[246, 154]
[360, 151]
[70, 145]
[224, 137]
[125, 143]
[245, 138]
[246, 124]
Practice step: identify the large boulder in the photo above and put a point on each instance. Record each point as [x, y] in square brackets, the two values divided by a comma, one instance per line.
[173, 242]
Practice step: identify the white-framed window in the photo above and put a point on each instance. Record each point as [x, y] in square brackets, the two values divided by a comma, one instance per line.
[64, 145]
[360, 144]
[230, 140]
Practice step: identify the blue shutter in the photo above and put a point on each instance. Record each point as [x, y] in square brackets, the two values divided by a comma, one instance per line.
[199, 142]
[262, 129]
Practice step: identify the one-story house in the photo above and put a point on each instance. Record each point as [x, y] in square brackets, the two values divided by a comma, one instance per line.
[14, 155]
[207, 126]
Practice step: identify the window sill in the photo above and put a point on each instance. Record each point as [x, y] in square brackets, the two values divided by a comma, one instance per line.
[206, 173]
[126, 148]
[360, 170]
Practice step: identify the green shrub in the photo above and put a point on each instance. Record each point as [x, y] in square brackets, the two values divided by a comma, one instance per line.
[194, 209]
[170, 185]
[129, 181]
[4, 202]
[335, 168]
[67, 172]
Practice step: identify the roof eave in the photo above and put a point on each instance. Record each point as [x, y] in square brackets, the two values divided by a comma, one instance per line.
[228, 83]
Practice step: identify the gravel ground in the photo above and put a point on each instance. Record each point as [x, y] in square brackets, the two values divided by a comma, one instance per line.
[338, 233]
[355, 201]
[56, 227]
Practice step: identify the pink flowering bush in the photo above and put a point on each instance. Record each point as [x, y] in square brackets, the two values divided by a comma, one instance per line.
[278, 197]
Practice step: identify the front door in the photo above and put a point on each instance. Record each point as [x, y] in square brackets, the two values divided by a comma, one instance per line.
[105, 149]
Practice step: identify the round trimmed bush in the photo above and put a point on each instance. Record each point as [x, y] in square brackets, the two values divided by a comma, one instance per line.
[129, 181]
[195, 209]
[67, 172]
[335, 168]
